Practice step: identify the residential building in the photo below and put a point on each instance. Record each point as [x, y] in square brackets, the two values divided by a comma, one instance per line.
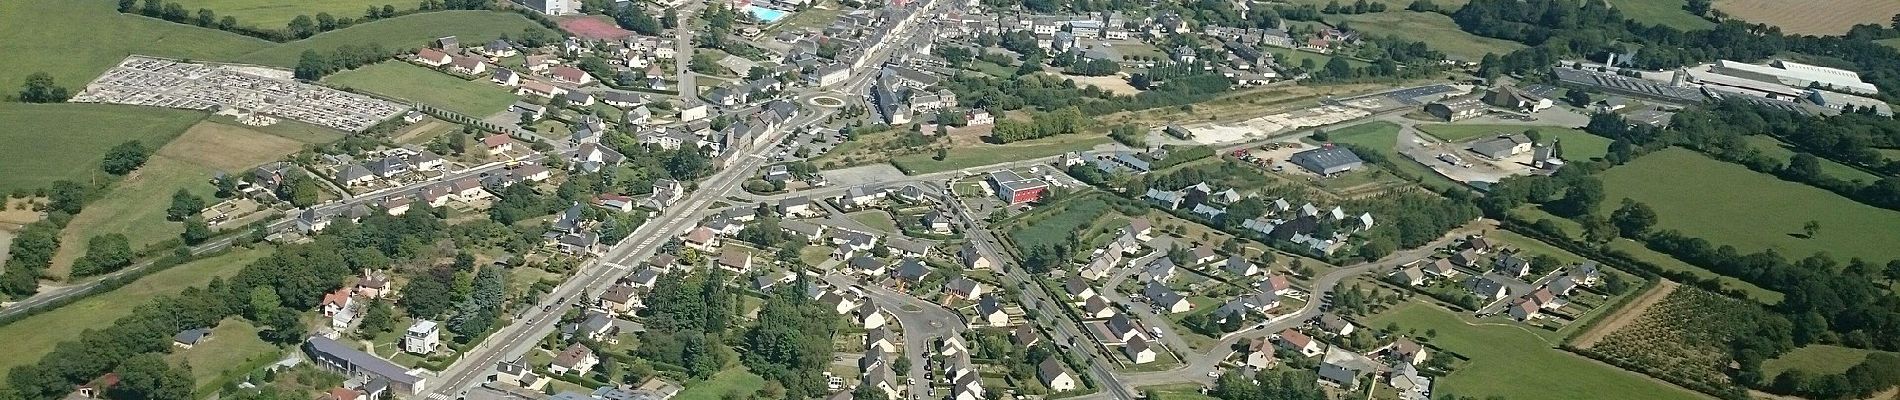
[352, 363]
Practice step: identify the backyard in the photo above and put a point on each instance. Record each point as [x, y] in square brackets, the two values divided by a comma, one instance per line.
[734, 382]
[234, 344]
[415, 83]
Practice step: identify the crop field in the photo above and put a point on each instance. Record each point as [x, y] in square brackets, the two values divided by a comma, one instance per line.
[414, 83]
[1383, 137]
[1436, 30]
[1772, 147]
[1682, 338]
[1661, 12]
[1055, 224]
[1509, 362]
[66, 141]
[75, 40]
[1758, 212]
[405, 32]
[277, 14]
[1812, 17]
[32, 337]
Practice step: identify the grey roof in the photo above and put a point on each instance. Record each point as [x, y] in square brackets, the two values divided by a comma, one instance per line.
[1327, 157]
[912, 269]
[191, 336]
[362, 362]
[961, 286]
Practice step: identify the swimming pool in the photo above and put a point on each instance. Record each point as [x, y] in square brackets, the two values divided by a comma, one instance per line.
[766, 14]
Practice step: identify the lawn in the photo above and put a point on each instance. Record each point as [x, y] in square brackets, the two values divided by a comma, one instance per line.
[1508, 362]
[75, 40]
[1757, 211]
[736, 381]
[1383, 137]
[1772, 147]
[1816, 360]
[66, 141]
[875, 219]
[136, 206]
[1660, 12]
[30, 338]
[234, 344]
[1299, 57]
[414, 83]
[277, 14]
[1436, 30]
[987, 154]
[405, 32]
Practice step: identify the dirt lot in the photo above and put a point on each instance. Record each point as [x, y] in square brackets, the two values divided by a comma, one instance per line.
[1624, 316]
[1117, 84]
[1813, 17]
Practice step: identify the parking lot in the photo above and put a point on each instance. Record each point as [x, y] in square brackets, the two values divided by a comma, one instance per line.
[146, 81]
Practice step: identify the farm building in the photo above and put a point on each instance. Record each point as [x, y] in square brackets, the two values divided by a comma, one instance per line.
[1327, 160]
[1455, 109]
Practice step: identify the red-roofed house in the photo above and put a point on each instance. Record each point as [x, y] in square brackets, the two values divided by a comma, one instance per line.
[1294, 340]
[469, 65]
[498, 143]
[337, 301]
[432, 57]
[571, 75]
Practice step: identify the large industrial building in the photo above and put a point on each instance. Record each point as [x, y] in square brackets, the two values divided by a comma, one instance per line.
[1798, 75]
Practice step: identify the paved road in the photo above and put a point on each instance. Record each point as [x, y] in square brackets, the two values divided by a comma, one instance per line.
[923, 323]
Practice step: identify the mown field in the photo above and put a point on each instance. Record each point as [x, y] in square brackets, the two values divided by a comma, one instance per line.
[1436, 30]
[405, 32]
[49, 142]
[411, 82]
[277, 14]
[75, 40]
[234, 343]
[1509, 362]
[1383, 137]
[985, 154]
[1816, 360]
[1660, 12]
[30, 338]
[1756, 212]
[1772, 147]
[1894, 43]
[732, 382]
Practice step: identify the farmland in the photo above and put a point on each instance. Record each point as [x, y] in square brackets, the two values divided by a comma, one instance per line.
[405, 32]
[1507, 353]
[75, 40]
[1775, 148]
[275, 14]
[1828, 17]
[1683, 338]
[1661, 12]
[66, 141]
[1677, 183]
[31, 337]
[1432, 28]
[414, 83]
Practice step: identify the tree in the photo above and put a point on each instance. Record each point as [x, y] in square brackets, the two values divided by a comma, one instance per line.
[1810, 228]
[40, 88]
[1633, 219]
[124, 158]
[302, 27]
[286, 327]
[868, 391]
[148, 377]
[1577, 97]
[311, 66]
[1338, 68]
[206, 17]
[325, 22]
[104, 253]
[379, 318]
[67, 196]
[1699, 7]
[196, 231]
[184, 205]
[126, 6]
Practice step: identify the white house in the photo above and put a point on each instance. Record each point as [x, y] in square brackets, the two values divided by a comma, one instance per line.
[422, 337]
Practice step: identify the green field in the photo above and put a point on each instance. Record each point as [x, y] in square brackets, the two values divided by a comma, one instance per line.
[1660, 12]
[1436, 30]
[1577, 144]
[50, 142]
[277, 14]
[1384, 137]
[1055, 224]
[1894, 42]
[1294, 58]
[234, 344]
[414, 83]
[1772, 147]
[405, 32]
[1816, 359]
[75, 40]
[875, 219]
[736, 381]
[30, 338]
[986, 154]
[1508, 362]
[1756, 212]
[1664, 261]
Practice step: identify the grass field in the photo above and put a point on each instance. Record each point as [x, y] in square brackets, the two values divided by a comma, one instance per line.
[1660, 12]
[75, 40]
[1816, 359]
[816, 17]
[414, 83]
[986, 154]
[1759, 211]
[1436, 30]
[234, 344]
[30, 338]
[1637, 250]
[1772, 147]
[51, 142]
[1894, 43]
[1508, 362]
[875, 219]
[277, 14]
[136, 206]
[1297, 57]
[405, 32]
[736, 381]
[1384, 137]
[1832, 17]
[1054, 224]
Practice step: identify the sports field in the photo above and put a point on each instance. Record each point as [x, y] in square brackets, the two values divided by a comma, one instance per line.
[414, 83]
[1729, 204]
[1812, 17]
[1577, 144]
[50, 142]
[32, 337]
[405, 32]
[277, 14]
[1436, 30]
[1509, 362]
[136, 206]
[1772, 147]
[1661, 12]
[75, 40]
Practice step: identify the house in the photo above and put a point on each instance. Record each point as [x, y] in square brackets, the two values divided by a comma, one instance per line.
[1523, 309]
[498, 143]
[937, 221]
[1121, 328]
[577, 358]
[735, 260]
[1160, 270]
[869, 315]
[867, 265]
[354, 175]
[570, 75]
[1025, 335]
[373, 285]
[1512, 264]
[906, 247]
[1260, 354]
[1077, 288]
[1276, 284]
[1097, 307]
[1327, 160]
[990, 311]
[1166, 299]
[880, 339]
[337, 302]
[963, 288]
[642, 279]
[1334, 324]
[1203, 254]
[469, 66]
[519, 374]
[860, 197]
[1240, 266]
[810, 232]
[432, 58]
[344, 359]
[1486, 288]
[539, 89]
[1413, 275]
[1405, 379]
[1016, 189]
[506, 77]
[973, 258]
[1441, 267]
[426, 161]
[1296, 341]
[1138, 351]
[1343, 368]
[1054, 376]
[1502, 146]
[910, 271]
[499, 48]
[702, 239]
[620, 299]
[1407, 351]
[422, 337]
[191, 337]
